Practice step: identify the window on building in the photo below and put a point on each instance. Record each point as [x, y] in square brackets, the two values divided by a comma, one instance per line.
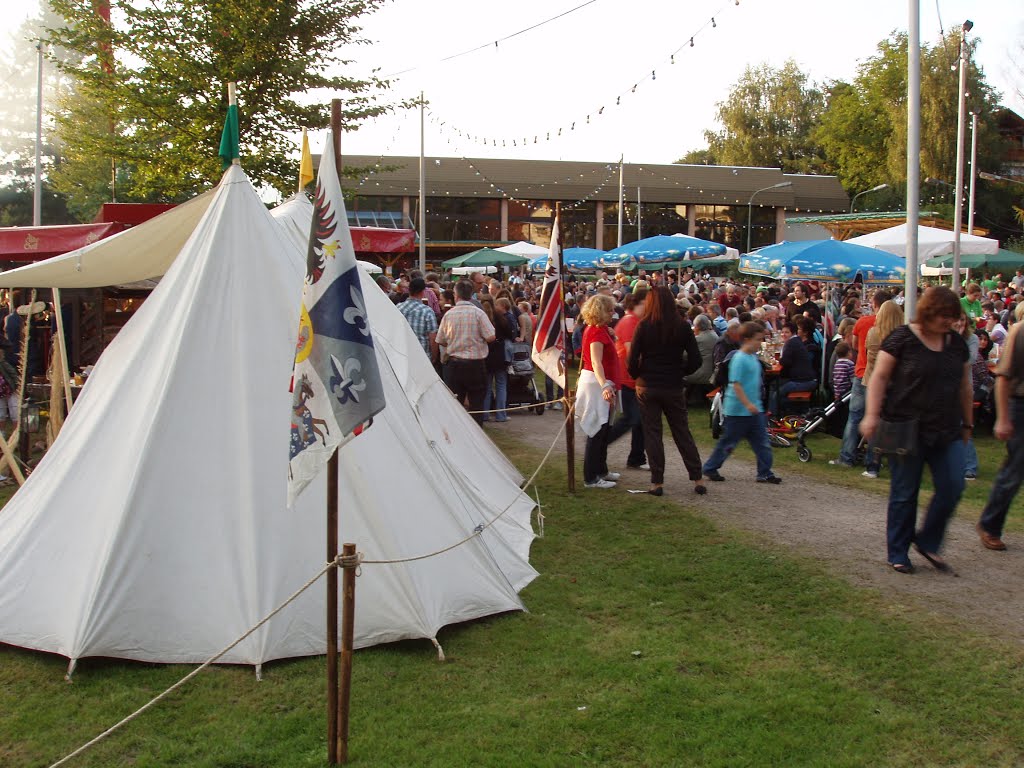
[466, 219]
[727, 224]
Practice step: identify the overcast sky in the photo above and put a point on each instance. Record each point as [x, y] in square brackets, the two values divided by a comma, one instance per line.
[559, 73]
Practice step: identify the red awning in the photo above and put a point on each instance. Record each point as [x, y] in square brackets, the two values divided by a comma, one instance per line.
[36, 243]
[381, 240]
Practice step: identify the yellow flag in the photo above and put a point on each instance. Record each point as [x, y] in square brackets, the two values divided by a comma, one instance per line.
[306, 164]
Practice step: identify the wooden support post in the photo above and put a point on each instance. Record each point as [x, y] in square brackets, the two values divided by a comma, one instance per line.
[332, 610]
[570, 434]
[348, 620]
[62, 344]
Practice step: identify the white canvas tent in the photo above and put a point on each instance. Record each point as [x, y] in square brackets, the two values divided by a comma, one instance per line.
[292, 213]
[156, 527]
[931, 242]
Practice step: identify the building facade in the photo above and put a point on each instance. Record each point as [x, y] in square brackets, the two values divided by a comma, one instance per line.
[473, 203]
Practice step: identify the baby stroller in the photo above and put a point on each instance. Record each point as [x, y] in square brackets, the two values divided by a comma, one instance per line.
[522, 388]
[833, 418]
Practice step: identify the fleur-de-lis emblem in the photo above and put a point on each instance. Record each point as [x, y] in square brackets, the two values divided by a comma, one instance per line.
[356, 314]
[344, 384]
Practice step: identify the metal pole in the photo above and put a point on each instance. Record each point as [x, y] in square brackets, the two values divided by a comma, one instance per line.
[639, 236]
[974, 173]
[423, 191]
[37, 196]
[913, 156]
[622, 201]
[750, 221]
[958, 204]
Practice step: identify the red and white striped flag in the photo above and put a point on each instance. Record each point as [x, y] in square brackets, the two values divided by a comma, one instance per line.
[549, 340]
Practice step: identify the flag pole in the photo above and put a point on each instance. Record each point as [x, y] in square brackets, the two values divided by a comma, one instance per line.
[233, 102]
[333, 742]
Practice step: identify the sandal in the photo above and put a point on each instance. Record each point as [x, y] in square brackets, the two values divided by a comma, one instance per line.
[904, 568]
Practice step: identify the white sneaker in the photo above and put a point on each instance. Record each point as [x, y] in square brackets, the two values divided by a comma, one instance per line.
[600, 484]
[612, 476]
[556, 406]
[869, 473]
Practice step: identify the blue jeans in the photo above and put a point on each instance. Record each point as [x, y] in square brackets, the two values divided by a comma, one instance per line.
[780, 392]
[498, 380]
[851, 435]
[970, 459]
[549, 389]
[736, 428]
[630, 421]
[1007, 482]
[946, 463]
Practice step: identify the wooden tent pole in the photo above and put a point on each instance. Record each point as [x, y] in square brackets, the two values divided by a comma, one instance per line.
[348, 618]
[568, 393]
[62, 344]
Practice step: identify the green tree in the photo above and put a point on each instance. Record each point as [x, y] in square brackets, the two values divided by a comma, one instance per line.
[767, 120]
[163, 89]
[863, 131]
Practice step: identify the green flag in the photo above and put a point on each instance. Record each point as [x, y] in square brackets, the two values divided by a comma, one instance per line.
[229, 138]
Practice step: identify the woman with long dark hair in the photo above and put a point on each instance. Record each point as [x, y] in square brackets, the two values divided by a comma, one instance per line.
[664, 352]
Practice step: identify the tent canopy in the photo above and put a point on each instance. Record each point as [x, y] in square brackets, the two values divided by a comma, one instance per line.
[825, 260]
[523, 248]
[931, 242]
[1002, 259]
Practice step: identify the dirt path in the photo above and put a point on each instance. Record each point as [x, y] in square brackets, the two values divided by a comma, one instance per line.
[842, 527]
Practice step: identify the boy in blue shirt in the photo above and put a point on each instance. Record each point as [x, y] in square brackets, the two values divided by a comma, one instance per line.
[743, 408]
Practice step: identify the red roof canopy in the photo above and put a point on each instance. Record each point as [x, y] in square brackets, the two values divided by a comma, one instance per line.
[130, 214]
[36, 243]
[382, 240]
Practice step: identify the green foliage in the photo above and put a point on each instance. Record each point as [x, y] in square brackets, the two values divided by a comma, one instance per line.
[863, 131]
[768, 120]
[164, 90]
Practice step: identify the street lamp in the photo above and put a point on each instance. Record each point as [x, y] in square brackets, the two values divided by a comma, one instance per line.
[879, 188]
[997, 177]
[750, 206]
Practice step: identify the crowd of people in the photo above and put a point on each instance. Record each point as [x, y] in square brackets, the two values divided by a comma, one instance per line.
[647, 343]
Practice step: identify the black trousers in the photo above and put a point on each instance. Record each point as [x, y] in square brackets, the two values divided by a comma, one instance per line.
[468, 379]
[672, 403]
[595, 455]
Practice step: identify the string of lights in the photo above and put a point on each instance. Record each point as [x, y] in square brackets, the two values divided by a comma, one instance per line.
[570, 126]
[610, 168]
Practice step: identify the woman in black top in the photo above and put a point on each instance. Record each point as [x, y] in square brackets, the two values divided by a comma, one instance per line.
[922, 375]
[798, 374]
[663, 353]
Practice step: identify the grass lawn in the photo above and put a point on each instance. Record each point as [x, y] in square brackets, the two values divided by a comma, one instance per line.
[653, 639]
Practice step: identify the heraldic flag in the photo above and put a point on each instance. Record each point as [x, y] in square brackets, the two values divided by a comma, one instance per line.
[549, 339]
[336, 384]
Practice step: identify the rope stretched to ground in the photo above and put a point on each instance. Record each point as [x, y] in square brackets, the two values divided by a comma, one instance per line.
[67, 758]
[518, 407]
[341, 561]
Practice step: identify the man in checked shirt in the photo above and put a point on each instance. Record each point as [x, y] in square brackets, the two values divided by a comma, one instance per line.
[464, 334]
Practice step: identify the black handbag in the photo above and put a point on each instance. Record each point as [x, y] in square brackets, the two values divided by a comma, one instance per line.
[897, 438]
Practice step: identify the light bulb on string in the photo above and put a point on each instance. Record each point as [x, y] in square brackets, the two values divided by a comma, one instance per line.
[714, 24]
[691, 42]
[653, 75]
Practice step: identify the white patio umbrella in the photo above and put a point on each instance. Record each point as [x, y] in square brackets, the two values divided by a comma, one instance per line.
[931, 242]
[523, 248]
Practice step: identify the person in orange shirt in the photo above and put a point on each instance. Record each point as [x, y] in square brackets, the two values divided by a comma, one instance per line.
[851, 435]
[629, 420]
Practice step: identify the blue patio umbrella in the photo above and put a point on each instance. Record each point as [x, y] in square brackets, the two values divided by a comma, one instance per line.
[833, 261]
[664, 248]
[574, 259]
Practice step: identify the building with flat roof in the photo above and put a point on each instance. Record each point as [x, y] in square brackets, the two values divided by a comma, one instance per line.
[477, 202]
